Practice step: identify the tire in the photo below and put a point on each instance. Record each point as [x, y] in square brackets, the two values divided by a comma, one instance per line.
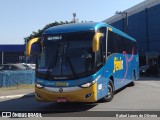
[147, 75]
[111, 91]
[133, 82]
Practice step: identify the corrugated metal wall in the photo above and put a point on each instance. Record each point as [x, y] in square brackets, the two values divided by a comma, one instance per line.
[16, 54]
[144, 26]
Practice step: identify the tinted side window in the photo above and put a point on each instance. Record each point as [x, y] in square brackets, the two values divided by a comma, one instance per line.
[103, 39]
[14, 68]
[6, 67]
[129, 46]
[111, 45]
[119, 44]
[99, 56]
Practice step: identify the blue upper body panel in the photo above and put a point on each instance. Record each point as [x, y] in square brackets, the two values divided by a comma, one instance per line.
[80, 27]
[75, 27]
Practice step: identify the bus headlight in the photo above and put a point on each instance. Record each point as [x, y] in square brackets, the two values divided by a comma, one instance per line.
[90, 83]
[86, 85]
[39, 85]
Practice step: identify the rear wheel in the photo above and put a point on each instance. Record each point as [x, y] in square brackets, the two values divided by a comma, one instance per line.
[110, 94]
[133, 82]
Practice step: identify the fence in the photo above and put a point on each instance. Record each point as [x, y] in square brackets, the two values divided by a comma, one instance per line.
[13, 78]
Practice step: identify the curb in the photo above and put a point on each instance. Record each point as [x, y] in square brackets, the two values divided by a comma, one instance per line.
[149, 78]
[17, 96]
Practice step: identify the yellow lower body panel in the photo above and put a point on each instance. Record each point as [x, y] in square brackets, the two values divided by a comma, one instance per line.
[74, 96]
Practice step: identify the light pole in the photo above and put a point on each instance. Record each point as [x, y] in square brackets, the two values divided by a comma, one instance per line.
[124, 14]
[74, 17]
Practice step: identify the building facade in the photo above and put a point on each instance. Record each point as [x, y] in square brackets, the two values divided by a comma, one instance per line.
[15, 54]
[142, 23]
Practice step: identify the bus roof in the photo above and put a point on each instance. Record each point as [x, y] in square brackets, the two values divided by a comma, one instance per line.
[80, 27]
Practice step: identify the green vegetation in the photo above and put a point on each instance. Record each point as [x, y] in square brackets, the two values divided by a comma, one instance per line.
[40, 31]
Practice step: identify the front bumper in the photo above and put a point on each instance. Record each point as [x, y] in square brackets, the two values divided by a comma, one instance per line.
[82, 95]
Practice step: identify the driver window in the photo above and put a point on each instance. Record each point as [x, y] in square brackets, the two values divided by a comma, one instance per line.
[99, 56]
[103, 39]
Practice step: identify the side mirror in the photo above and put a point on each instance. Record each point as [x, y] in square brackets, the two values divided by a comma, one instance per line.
[29, 45]
[95, 43]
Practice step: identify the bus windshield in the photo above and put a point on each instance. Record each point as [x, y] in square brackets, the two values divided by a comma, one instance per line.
[66, 56]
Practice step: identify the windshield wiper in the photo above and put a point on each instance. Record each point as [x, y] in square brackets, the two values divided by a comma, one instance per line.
[88, 60]
[50, 65]
[71, 66]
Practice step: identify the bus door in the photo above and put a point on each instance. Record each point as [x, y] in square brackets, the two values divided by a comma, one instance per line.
[101, 60]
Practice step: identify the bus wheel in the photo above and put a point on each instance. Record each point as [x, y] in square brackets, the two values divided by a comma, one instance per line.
[110, 95]
[133, 82]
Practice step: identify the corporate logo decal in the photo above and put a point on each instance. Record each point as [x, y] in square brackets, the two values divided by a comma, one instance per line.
[60, 90]
[61, 84]
[118, 64]
[127, 61]
[54, 38]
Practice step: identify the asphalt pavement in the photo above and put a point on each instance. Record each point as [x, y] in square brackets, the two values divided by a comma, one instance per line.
[9, 94]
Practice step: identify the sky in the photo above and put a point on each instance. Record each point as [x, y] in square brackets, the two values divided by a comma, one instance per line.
[19, 18]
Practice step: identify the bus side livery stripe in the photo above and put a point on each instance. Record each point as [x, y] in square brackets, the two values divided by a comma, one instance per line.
[127, 61]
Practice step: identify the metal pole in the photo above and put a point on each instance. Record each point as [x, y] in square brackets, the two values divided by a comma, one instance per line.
[2, 57]
[124, 25]
[25, 50]
[126, 22]
[146, 60]
[74, 17]
[147, 30]
[125, 16]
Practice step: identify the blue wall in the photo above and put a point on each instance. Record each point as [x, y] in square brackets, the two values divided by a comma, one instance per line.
[12, 48]
[144, 26]
[154, 28]
[16, 53]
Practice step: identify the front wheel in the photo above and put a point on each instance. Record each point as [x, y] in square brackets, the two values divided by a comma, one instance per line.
[110, 94]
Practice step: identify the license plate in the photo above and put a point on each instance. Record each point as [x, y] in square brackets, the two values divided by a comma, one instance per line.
[61, 100]
[143, 71]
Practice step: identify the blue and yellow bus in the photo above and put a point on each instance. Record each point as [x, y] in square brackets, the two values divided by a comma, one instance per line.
[83, 62]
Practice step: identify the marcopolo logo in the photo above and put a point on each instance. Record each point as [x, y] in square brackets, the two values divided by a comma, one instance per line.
[60, 90]
[54, 38]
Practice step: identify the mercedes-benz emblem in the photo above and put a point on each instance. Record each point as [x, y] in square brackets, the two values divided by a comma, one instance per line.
[60, 90]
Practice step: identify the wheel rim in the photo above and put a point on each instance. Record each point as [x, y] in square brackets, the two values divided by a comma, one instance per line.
[109, 91]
